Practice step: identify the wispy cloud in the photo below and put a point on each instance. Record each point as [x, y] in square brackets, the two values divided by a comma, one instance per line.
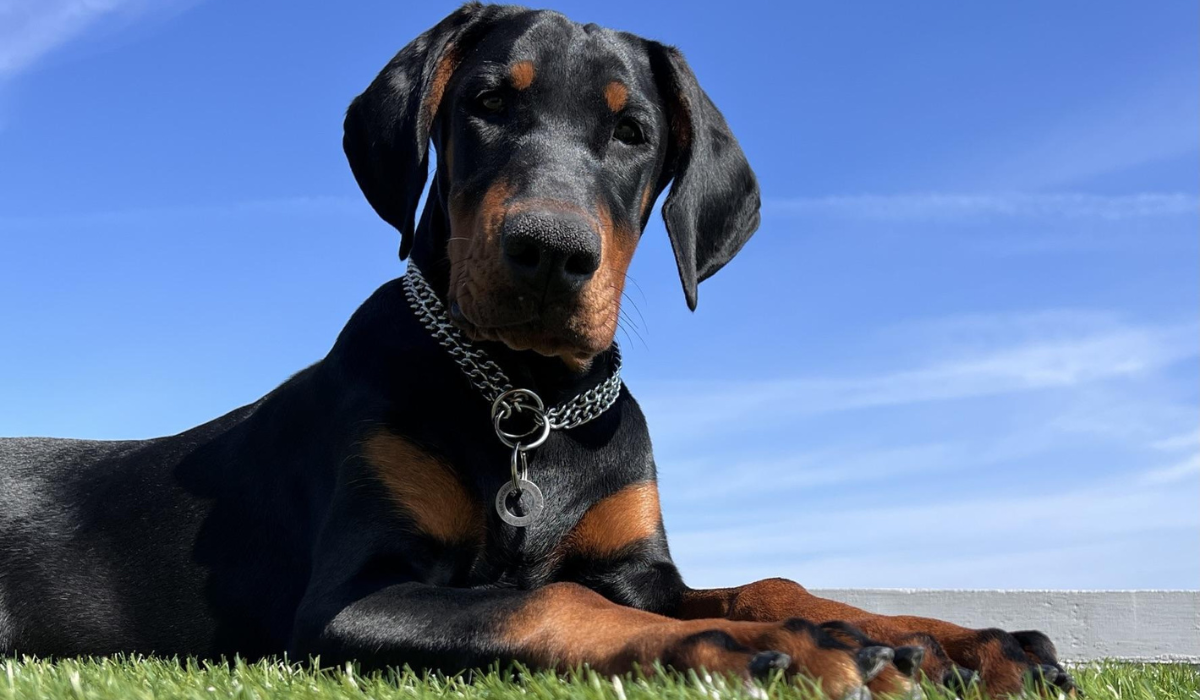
[1182, 441]
[938, 206]
[1032, 364]
[758, 475]
[142, 215]
[1152, 120]
[1014, 450]
[1086, 512]
[892, 546]
[1174, 473]
[31, 29]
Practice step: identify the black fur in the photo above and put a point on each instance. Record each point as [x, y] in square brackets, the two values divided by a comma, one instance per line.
[265, 531]
[712, 209]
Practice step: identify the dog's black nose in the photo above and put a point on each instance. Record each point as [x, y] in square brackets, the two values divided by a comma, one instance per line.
[550, 253]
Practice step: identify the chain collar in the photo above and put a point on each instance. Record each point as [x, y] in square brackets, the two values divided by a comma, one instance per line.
[521, 492]
[486, 375]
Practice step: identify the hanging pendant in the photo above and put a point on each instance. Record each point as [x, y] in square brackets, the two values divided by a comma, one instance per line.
[523, 493]
[526, 494]
[528, 500]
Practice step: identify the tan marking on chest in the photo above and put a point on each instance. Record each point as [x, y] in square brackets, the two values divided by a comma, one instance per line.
[627, 517]
[426, 489]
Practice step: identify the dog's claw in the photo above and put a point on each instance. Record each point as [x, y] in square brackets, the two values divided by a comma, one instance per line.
[1065, 682]
[872, 660]
[1055, 676]
[765, 663]
[909, 660]
[1046, 673]
[959, 679]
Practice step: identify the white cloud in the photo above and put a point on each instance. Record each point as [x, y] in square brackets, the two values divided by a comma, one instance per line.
[1125, 128]
[766, 476]
[1039, 562]
[1174, 473]
[32, 29]
[1023, 450]
[948, 544]
[841, 468]
[324, 204]
[938, 206]
[1181, 441]
[1031, 364]
[29, 29]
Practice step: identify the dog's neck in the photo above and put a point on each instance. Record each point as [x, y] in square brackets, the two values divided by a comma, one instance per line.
[550, 377]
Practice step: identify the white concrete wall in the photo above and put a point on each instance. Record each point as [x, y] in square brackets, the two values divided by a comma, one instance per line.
[1085, 625]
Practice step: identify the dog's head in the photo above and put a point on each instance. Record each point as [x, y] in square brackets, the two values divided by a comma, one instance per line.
[554, 139]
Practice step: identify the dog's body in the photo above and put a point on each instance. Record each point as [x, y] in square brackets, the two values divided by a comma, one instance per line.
[348, 513]
[239, 536]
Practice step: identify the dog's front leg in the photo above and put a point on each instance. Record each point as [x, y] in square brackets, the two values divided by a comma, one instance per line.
[559, 626]
[1004, 660]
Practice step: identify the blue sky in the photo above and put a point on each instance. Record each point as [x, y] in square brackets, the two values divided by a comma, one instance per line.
[960, 352]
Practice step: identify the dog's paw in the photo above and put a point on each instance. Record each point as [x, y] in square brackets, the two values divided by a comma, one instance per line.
[760, 650]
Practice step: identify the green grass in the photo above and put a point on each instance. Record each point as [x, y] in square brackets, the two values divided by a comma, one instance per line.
[132, 679]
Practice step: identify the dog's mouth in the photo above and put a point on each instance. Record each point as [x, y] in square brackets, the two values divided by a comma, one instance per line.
[552, 332]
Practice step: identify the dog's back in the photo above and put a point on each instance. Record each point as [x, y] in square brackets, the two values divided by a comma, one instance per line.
[49, 545]
[99, 539]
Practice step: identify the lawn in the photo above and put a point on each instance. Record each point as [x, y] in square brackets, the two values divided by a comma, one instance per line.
[125, 679]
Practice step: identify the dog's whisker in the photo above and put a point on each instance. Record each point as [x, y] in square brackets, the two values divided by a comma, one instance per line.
[631, 327]
[633, 303]
[624, 316]
[629, 278]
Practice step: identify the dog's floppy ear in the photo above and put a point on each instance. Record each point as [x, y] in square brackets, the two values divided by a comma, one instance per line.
[712, 208]
[387, 127]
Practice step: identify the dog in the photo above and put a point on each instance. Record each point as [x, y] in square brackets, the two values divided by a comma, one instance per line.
[463, 479]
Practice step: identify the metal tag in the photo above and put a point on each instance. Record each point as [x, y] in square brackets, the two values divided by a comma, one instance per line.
[529, 500]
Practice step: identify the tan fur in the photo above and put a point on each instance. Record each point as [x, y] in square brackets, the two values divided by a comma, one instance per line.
[474, 249]
[646, 195]
[564, 625]
[426, 489]
[599, 301]
[479, 282]
[780, 599]
[441, 77]
[627, 517]
[615, 96]
[522, 73]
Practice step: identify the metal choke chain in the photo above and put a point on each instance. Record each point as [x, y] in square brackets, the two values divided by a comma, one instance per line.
[486, 375]
[493, 383]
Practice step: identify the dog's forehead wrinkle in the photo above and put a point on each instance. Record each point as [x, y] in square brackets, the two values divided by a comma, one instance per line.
[559, 46]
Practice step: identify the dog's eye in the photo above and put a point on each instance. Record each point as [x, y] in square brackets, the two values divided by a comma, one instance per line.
[628, 132]
[490, 101]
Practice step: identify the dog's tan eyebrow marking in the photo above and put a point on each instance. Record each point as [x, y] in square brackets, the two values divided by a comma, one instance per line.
[521, 73]
[616, 95]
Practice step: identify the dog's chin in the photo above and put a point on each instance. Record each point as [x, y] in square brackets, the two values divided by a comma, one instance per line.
[574, 349]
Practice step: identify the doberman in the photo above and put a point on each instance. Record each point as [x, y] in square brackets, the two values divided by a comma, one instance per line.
[352, 512]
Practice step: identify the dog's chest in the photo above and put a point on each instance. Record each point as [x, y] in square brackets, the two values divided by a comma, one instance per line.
[596, 485]
[531, 555]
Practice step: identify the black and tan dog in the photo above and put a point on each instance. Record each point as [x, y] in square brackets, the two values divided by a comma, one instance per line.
[349, 512]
